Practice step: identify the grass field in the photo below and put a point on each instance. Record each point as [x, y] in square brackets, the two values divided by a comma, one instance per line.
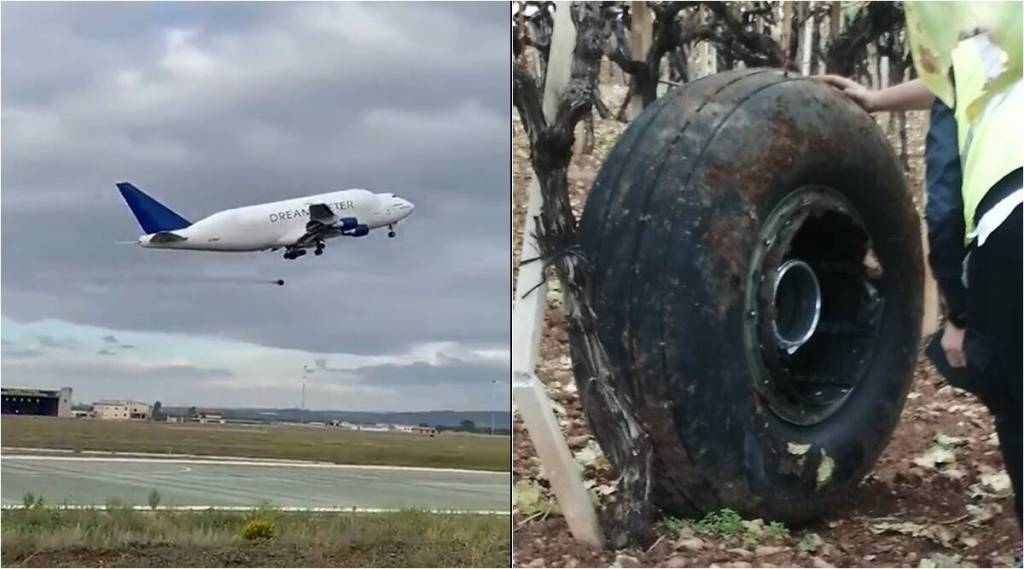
[42, 537]
[446, 450]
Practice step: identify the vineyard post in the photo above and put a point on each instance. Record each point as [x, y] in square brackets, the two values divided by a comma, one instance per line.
[529, 394]
[805, 66]
[641, 35]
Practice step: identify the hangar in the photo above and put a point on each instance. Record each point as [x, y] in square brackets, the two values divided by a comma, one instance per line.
[30, 401]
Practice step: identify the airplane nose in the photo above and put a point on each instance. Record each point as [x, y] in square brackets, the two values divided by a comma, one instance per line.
[409, 205]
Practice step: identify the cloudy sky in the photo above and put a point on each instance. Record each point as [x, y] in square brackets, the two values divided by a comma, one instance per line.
[211, 106]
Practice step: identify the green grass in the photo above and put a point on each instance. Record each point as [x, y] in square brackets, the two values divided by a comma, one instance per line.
[728, 523]
[446, 450]
[53, 537]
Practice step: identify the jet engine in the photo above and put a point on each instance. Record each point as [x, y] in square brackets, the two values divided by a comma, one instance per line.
[358, 231]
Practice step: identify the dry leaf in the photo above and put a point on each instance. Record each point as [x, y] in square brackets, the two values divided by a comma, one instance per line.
[798, 449]
[825, 468]
[935, 456]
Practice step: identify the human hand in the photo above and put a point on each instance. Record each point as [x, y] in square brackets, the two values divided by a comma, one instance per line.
[953, 345]
[866, 98]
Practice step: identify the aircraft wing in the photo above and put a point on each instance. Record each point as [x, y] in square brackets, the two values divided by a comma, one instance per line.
[166, 237]
[322, 214]
[321, 218]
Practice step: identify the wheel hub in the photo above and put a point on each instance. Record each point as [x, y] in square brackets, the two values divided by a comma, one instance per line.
[796, 298]
[812, 306]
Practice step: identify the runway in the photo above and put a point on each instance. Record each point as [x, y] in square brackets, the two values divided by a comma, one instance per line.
[92, 481]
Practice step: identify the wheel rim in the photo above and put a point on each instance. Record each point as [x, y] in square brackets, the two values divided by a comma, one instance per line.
[812, 306]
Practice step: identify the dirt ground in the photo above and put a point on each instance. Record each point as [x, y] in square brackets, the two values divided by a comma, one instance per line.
[925, 504]
[240, 555]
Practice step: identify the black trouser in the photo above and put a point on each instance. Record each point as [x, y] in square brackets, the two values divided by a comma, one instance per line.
[993, 337]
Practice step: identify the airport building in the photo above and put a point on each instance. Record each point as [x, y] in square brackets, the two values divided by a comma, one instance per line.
[416, 429]
[121, 410]
[28, 401]
[379, 427]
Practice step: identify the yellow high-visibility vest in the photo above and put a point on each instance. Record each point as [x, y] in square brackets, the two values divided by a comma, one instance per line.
[981, 43]
[989, 137]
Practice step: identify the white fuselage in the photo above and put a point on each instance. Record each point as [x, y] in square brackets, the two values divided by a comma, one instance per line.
[283, 223]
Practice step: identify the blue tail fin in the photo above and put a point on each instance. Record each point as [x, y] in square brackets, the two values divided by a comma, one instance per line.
[153, 216]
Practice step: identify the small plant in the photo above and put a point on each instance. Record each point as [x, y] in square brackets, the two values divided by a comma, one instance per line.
[727, 523]
[28, 500]
[257, 528]
[722, 522]
[674, 525]
[809, 542]
[154, 499]
[531, 500]
[775, 529]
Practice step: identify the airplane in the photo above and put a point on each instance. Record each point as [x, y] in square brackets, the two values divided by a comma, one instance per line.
[295, 225]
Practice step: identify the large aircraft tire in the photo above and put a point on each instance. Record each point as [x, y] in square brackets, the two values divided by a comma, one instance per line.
[757, 277]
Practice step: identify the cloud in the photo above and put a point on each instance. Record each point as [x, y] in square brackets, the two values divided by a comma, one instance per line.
[109, 338]
[63, 343]
[452, 373]
[289, 385]
[20, 353]
[122, 369]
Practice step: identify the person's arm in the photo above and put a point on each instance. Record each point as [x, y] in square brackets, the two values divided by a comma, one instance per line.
[944, 209]
[944, 213]
[909, 96]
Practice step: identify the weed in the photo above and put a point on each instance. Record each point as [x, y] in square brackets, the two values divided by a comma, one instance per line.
[257, 528]
[28, 500]
[775, 529]
[604, 143]
[213, 537]
[154, 499]
[531, 500]
[723, 522]
[727, 523]
[809, 542]
[675, 525]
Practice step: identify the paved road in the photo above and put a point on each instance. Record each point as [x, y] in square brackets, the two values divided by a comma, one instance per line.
[189, 482]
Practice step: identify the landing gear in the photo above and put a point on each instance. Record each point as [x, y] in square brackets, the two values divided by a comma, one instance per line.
[296, 252]
[391, 230]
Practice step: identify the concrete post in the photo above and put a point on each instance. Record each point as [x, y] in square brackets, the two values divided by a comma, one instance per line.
[529, 396]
